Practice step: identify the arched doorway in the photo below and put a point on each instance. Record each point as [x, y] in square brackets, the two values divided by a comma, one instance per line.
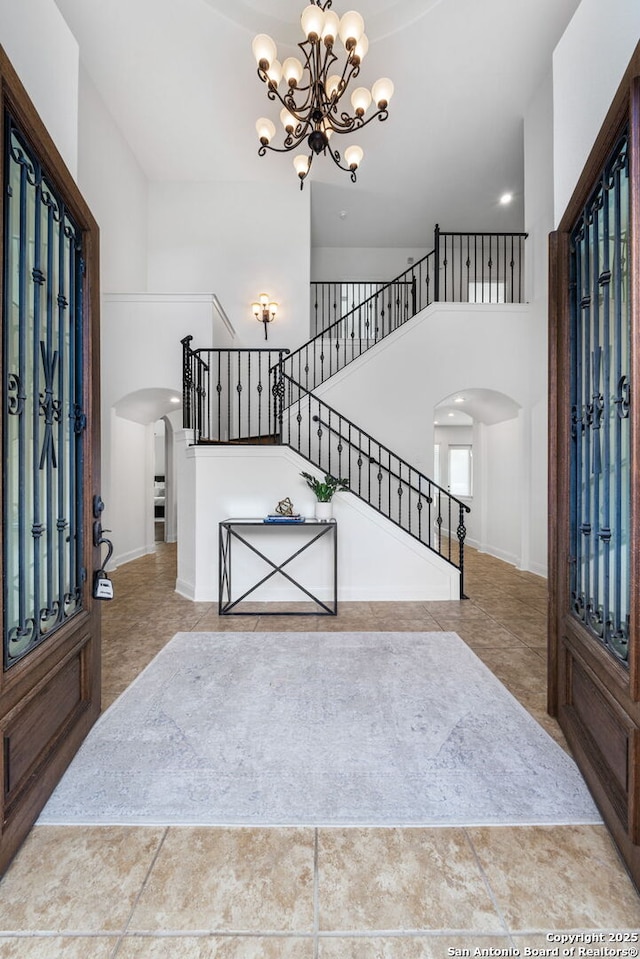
[130, 460]
[479, 456]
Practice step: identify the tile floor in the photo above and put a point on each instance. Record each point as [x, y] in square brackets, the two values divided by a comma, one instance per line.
[305, 893]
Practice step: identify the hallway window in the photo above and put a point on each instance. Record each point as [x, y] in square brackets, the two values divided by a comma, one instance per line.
[460, 471]
[491, 292]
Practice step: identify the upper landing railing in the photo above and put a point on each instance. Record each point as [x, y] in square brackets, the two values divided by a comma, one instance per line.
[350, 317]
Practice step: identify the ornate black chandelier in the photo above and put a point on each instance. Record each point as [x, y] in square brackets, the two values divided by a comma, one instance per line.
[313, 105]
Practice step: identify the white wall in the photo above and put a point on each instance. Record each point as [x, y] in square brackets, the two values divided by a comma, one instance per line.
[366, 263]
[141, 360]
[539, 222]
[588, 65]
[502, 491]
[45, 55]
[239, 240]
[392, 390]
[128, 516]
[391, 393]
[115, 188]
[376, 560]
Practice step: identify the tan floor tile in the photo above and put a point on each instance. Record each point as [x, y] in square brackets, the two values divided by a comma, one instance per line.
[522, 670]
[487, 634]
[213, 623]
[545, 878]
[243, 879]
[401, 879]
[401, 947]
[215, 947]
[52, 947]
[352, 607]
[335, 624]
[87, 878]
[394, 624]
[404, 609]
[290, 624]
[455, 609]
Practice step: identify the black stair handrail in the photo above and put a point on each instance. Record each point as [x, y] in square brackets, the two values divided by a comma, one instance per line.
[327, 298]
[318, 364]
[229, 394]
[335, 459]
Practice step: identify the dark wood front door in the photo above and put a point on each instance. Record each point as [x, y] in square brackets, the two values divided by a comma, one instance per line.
[594, 664]
[50, 673]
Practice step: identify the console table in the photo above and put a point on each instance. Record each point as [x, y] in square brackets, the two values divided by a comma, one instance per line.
[308, 534]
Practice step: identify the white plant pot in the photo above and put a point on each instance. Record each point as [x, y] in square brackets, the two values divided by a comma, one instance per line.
[324, 512]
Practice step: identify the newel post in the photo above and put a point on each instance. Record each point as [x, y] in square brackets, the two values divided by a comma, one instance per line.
[436, 251]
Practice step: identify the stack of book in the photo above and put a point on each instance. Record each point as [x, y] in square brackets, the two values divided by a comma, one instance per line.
[278, 518]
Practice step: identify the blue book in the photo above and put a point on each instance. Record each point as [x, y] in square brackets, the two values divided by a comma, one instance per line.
[277, 518]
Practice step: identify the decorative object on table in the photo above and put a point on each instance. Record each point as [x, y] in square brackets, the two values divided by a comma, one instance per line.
[284, 513]
[324, 490]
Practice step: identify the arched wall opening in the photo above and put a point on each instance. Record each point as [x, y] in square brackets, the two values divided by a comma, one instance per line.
[131, 468]
[481, 453]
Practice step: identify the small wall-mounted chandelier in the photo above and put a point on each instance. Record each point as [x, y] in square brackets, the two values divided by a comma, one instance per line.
[313, 106]
[264, 311]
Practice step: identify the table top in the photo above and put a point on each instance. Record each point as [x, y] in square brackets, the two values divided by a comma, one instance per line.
[261, 521]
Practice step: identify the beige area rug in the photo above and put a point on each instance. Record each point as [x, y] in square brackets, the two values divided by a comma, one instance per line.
[319, 728]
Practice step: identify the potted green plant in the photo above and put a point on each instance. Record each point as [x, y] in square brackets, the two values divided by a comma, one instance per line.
[323, 491]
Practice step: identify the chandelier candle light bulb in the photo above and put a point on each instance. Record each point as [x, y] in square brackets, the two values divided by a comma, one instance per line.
[351, 29]
[312, 22]
[353, 156]
[264, 50]
[275, 73]
[313, 98]
[287, 120]
[301, 163]
[292, 71]
[381, 92]
[362, 47]
[330, 28]
[361, 100]
[266, 130]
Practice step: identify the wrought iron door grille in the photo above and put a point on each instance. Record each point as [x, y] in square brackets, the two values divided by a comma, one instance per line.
[600, 356]
[43, 416]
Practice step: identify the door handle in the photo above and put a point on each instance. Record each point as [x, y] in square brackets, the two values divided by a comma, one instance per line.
[99, 538]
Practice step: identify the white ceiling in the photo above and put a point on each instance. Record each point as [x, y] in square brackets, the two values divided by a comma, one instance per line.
[179, 78]
[475, 405]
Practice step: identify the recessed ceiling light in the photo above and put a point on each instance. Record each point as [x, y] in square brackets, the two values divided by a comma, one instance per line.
[175, 399]
[451, 414]
[435, 422]
[459, 399]
[506, 198]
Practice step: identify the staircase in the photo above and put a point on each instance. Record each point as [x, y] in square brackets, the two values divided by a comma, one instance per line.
[268, 396]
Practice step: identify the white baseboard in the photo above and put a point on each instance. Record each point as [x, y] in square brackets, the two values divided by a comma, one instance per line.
[187, 590]
[122, 558]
